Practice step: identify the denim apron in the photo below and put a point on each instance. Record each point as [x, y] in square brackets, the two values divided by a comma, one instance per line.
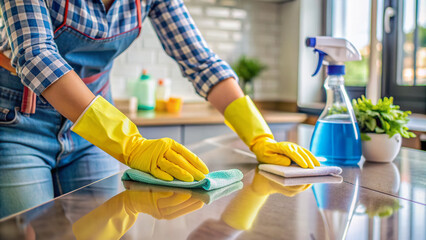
[40, 156]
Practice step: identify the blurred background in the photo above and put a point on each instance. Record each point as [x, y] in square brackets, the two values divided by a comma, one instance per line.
[274, 32]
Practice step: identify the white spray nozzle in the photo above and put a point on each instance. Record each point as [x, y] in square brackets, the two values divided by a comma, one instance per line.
[335, 51]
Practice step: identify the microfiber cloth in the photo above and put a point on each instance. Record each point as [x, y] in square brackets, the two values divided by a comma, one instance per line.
[296, 171]
[301, 180]
[213, 180]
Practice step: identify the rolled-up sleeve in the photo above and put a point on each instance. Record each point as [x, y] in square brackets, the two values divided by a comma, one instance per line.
[183, 42]
[34, 53]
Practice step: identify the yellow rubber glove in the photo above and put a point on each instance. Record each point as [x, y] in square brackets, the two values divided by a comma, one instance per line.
[242, 211]
[245, 119]
[116, 216]
[107, 128]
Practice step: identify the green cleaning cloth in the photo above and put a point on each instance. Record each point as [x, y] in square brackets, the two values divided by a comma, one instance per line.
[213, 180]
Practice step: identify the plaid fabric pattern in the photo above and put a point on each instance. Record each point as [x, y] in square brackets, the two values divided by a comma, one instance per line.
[27, 26]
[182, 41]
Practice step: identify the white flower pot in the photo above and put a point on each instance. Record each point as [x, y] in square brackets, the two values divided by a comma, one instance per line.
[381, 148]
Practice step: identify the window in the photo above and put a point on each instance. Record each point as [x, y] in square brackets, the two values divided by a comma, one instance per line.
[402, 63]
[351, 20]
[414, 44]
[404, 55]
[395, 65]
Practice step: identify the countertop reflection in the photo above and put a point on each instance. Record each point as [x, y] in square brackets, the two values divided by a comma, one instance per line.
[372, 202]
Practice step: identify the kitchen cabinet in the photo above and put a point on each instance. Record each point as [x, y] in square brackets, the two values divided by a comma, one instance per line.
[197, 133]
[155, 132]
[275, 1]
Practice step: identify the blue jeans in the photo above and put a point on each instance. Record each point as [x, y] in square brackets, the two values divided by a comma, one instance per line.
[40, 157]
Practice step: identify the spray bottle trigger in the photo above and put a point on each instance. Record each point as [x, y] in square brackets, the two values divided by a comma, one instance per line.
[320, 59]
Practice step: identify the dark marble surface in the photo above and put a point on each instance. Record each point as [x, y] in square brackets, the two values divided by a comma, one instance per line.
[373, 201]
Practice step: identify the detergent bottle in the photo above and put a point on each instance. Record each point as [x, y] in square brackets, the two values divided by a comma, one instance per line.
[144, 90]
[336, 139]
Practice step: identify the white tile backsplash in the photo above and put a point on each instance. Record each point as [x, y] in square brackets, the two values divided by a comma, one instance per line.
[204, 23]
[230, 25]
[230, 28]
[214, 35]
[229, 3]
[221, 12]
[239, 13]
[195, 10]
[204, 1]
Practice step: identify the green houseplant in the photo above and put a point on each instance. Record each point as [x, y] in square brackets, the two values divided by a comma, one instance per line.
[247, 70]
[381, 125]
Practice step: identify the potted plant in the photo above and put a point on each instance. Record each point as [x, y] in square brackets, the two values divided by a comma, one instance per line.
[247, 70]
[381, 125]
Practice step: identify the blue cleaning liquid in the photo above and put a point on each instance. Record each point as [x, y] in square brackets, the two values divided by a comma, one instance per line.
[337, 141]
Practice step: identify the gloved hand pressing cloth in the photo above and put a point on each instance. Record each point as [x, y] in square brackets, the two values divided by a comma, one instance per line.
[244, 118]
[107, 128]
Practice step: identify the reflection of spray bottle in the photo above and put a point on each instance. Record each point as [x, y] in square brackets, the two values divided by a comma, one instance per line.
[336, 136]
[337, 203]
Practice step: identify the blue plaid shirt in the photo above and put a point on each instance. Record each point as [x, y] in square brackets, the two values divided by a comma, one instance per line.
[27, 37]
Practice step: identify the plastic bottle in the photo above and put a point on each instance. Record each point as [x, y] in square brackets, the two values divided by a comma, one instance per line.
[144, 90]
[163, 89]
[162, 94]
[336, 137]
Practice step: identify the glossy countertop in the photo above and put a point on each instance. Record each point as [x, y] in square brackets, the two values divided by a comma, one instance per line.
[370, 201]
[204, 113]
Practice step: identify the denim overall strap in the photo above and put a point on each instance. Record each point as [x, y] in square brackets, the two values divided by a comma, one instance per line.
[90, 58]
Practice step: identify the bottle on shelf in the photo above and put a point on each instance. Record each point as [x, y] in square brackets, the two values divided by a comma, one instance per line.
[162, 94]
[144, 91]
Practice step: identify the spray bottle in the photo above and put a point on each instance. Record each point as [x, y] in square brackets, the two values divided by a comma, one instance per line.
[336, 139]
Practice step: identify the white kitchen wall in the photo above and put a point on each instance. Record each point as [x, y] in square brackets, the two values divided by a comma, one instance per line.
[231, 28]
[300, 19]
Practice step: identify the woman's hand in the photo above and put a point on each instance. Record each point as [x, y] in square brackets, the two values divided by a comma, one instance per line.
[245, 119]
[268, 150]
[107, 128]
[166, 159]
